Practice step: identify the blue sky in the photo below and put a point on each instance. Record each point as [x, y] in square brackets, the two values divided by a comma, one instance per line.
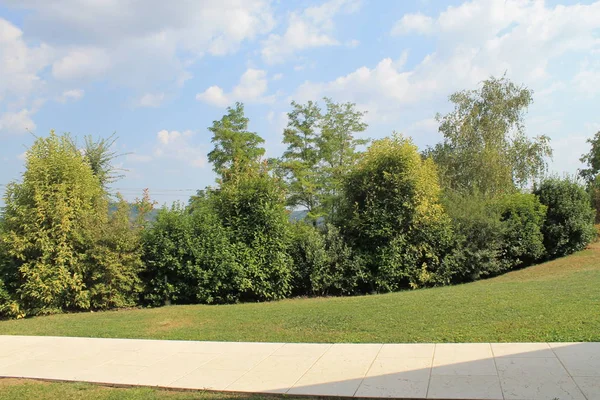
[158, 73]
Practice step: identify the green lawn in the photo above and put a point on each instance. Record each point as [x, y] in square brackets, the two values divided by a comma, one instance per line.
[555, 301]
[29, 389]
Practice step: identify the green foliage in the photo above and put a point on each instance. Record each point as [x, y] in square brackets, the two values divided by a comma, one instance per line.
[236, 148]
[321, 150]
[323, 263]
[591, 174]
[485, 146]
[49, 226]
[300, 161]
[100, 156]
[569, 225]
[307, 250]
[9, 308]
[252, 206]
[479, 235]
[114, 261]
[522, 217]
[189, 259]
[393, 216]
[594, 191]
[61, 248]
[592, 160]
[338, 150]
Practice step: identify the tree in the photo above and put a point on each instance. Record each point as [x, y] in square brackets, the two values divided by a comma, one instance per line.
[592, 160]
[236, 148]
[392, 215]
[591, 174]
[300, 161]
[569, 224]
[100, 156]
[49, 223]
[338, 150]
[485, 146]
[251, 205]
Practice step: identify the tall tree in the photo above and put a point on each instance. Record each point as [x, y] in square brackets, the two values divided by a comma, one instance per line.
[236, 148]
[300, 161]
[591, 174]
[485, 146]
[49, 223]
[591, 159]
[338, 149]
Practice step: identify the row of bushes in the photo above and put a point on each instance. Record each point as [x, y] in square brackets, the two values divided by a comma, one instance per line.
[397, 230]
[62, 250]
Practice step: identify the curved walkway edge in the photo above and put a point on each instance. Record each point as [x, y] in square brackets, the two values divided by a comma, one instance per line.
[517, 371]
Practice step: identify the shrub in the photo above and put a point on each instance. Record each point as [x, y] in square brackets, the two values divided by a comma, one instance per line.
[324, 264]
[114, 261]
[344, 272]
[522, 217]
[569, 224]
[189, 259]
[49, 223]
[393, 217]
[594, 191]
[251, 205]
[307, 250]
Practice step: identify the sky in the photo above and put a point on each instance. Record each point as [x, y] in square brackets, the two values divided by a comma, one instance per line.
[158, 73]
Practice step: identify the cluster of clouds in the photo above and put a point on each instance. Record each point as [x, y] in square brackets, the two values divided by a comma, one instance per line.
[150, 47]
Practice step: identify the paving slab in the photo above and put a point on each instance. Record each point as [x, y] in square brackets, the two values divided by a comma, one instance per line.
[510, 371]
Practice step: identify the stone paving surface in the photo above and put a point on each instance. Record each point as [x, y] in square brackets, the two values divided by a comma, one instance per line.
[519, 371]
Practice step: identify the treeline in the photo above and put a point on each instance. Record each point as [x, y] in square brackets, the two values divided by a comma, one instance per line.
[380, 215]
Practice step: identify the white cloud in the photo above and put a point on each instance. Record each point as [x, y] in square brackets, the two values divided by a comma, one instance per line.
[152, 100]
[252, 88]
[19, 63]
[12, 123]
[352, 43]
[82, 63]
[410, 23]
[587, 79]
[474, 40]
[73, 94]
[214, 95]
[313, 27]
[277, 77]
[179, 146]
[140, 44]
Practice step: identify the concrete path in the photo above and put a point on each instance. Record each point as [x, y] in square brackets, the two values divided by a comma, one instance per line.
[463, 371]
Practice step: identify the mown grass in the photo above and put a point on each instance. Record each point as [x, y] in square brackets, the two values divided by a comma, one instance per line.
[11, 389]
[554, 301]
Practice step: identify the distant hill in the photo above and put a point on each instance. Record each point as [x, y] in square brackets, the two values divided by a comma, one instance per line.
[298, 215]
[134, 211]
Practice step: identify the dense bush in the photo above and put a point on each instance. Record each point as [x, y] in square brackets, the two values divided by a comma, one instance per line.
[323, 263]
[494, 235]
[251, 205]
[114, 261]
[569, 225]
[232, 246]
[594, 191]
[393, 218]
[522, 217]
[478, 235]
[189, 259]
[61, 248]
[308, 253]
[49, 223]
